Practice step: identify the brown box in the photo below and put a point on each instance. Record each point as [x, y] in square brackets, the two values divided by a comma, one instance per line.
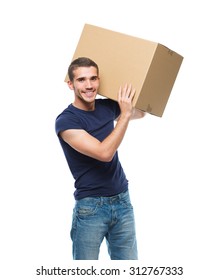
[150, 67]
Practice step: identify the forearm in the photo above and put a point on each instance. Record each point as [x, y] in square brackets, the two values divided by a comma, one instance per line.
[111, 143]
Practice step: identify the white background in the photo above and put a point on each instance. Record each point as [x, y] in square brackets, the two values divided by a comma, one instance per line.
[171, 162]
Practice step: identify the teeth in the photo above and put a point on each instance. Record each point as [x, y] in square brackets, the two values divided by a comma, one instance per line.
[90, 93]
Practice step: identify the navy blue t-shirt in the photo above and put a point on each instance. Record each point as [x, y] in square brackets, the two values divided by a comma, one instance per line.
[92, 177]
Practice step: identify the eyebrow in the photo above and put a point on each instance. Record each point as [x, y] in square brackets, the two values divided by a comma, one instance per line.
[92, 77]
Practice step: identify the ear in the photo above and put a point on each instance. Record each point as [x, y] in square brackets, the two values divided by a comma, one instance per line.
[70, 85]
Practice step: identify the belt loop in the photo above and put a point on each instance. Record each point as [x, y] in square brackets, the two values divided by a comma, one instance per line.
[101, 201]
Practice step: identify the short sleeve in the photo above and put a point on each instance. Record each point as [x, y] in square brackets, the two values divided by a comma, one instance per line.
[67, 120]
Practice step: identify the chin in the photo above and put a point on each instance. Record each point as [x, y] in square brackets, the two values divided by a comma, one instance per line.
[89, 99]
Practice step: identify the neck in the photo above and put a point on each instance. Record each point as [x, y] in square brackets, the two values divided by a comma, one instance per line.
[84, 105]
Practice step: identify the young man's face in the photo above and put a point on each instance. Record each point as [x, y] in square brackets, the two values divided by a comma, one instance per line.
[85, 84]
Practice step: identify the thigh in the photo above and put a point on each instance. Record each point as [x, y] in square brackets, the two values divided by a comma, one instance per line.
[88, 229]
[121, 239]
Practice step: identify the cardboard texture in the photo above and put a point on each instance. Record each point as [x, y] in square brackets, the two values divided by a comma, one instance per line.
[149, 66]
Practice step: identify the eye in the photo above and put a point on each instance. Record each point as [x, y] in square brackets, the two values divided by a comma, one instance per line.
[81, 80]
[94, 78]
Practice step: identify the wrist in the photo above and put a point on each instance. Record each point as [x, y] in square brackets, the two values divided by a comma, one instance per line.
[125, 116]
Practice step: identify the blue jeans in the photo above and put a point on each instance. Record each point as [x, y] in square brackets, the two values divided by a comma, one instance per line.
[96, 218]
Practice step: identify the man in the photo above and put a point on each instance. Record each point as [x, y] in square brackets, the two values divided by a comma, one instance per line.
[90, 141]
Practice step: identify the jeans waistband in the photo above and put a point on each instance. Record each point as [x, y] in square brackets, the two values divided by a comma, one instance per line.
[106, 199]
[114, 197]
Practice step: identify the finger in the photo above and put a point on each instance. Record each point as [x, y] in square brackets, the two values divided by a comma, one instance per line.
[132, 93]
[120, 94]
[123, 92]
[129, 89]
[125, 87]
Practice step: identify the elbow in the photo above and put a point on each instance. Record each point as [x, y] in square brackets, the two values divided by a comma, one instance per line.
[138, 114]
[106, 157]
[142, 114]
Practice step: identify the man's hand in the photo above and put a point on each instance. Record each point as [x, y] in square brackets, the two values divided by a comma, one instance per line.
[125, 98]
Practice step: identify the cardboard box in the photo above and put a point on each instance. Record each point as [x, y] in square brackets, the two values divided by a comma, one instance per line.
[150, 67]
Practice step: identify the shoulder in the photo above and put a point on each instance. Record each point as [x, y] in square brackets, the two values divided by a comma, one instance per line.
[68, 113]
[67, 119]
[106, 102]
[109, 104]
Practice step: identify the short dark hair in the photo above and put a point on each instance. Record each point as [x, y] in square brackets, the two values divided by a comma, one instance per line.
[80, 62]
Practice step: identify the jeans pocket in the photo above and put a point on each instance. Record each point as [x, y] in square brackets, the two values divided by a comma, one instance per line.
[86, 211]
[125, 201]
[86, 208]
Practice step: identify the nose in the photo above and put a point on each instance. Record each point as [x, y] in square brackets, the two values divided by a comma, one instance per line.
[88, 83]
